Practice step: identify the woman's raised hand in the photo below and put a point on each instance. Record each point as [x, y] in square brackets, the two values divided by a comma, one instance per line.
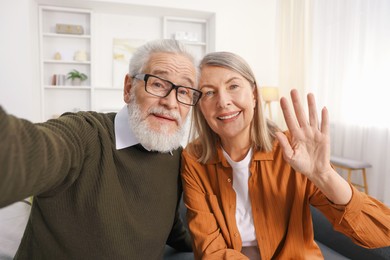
[308, 150]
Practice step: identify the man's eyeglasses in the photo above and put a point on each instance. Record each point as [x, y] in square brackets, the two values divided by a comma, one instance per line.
[162, 88]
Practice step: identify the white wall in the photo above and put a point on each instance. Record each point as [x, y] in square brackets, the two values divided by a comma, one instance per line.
[246, 27]
[19, 72]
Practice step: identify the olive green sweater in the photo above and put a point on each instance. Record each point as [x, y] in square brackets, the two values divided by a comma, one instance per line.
[91, 201]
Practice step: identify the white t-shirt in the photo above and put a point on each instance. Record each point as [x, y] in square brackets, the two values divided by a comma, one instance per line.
[244, 217]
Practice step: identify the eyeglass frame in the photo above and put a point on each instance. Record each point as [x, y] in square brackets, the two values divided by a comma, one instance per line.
[146, 76]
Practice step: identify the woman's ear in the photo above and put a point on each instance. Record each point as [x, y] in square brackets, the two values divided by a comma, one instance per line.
[126, 88]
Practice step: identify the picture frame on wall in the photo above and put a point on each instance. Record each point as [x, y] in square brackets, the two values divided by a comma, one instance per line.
[123, 50]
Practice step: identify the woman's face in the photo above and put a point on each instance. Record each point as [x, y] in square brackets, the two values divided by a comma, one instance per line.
[227, 103]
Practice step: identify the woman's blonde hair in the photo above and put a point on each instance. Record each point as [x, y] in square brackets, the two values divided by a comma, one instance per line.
[262, 130]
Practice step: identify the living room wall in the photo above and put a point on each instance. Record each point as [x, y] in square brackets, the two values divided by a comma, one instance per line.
[245, 27]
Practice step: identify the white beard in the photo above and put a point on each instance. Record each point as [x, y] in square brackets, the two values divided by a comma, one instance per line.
[155, 140]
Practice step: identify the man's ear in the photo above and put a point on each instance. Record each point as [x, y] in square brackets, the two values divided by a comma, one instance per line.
[126, 88]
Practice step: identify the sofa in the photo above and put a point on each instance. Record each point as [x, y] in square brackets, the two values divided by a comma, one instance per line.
[337, 242]
[334, 245]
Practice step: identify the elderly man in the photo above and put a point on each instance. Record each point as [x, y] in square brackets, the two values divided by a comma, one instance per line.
[106, 186]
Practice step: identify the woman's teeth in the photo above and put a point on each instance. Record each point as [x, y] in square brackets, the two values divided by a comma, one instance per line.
[229, 116]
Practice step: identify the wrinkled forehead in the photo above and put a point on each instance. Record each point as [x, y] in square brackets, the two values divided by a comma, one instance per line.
[174, 67]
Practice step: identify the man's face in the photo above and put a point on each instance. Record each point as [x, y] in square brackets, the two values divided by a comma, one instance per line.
[159, 115]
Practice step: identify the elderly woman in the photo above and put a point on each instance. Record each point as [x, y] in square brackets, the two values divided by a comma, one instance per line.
[248, 186]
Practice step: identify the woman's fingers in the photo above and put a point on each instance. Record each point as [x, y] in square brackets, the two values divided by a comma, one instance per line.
[288, 152]
[299, 120]
[298, 108]
[313, 116]
[325, 121]
[288, 117]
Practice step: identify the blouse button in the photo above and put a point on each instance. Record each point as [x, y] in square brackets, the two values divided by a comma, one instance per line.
[229, 180]
[236, 234]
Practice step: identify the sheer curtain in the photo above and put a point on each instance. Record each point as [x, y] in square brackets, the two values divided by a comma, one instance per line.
[294, 26]
[348, 69]
[350, 73]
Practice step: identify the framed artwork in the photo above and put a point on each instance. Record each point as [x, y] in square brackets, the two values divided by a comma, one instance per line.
[123, 50]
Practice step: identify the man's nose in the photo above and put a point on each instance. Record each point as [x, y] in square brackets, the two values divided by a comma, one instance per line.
[170, 101]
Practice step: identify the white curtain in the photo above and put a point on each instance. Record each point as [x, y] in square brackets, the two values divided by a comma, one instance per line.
[347, 67]
[350, 73]
[294, 25]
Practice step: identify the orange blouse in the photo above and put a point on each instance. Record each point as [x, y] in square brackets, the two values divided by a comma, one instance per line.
[280, 199]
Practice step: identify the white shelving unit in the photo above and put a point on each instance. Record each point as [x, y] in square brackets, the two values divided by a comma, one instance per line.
[57, 56]
[97, 93]
[192, 32]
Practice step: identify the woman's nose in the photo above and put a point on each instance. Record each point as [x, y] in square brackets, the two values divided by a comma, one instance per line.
[224, 99]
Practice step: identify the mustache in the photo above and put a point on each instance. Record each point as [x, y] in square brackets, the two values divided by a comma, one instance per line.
[164, 112]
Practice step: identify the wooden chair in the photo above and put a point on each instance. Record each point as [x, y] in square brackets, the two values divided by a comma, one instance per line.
[352, 165]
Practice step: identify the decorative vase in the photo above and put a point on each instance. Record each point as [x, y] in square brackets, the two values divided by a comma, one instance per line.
[80, 56]
[57, 56]
[76, 82]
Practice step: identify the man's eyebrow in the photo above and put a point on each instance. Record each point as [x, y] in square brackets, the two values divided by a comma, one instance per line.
[163, 73]
[191, 83]
[159, 72]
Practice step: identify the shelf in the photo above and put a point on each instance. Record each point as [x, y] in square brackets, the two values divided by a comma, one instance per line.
[67, 62]
[60, 35]
[61, 53]
[64, 87]
[194, 43]
[191, 32]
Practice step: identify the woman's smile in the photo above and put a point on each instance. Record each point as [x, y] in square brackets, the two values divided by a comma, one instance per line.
[228, 116]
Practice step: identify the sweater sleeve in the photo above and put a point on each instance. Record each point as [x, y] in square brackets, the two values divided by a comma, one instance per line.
[37, 158]
[364, 219]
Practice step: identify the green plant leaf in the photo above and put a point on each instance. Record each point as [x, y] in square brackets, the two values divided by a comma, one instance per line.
[74, 74]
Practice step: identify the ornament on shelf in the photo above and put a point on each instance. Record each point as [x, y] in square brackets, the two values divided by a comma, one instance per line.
[76, 77]
[57, 56]
[80, 56]
[69, 29]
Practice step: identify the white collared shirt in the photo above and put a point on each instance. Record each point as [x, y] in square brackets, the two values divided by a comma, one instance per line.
[124, 136]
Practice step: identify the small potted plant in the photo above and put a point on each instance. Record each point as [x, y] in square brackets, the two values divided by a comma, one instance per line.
[77, 77]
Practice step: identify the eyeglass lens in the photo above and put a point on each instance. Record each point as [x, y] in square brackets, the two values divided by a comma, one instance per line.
[162, 88]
